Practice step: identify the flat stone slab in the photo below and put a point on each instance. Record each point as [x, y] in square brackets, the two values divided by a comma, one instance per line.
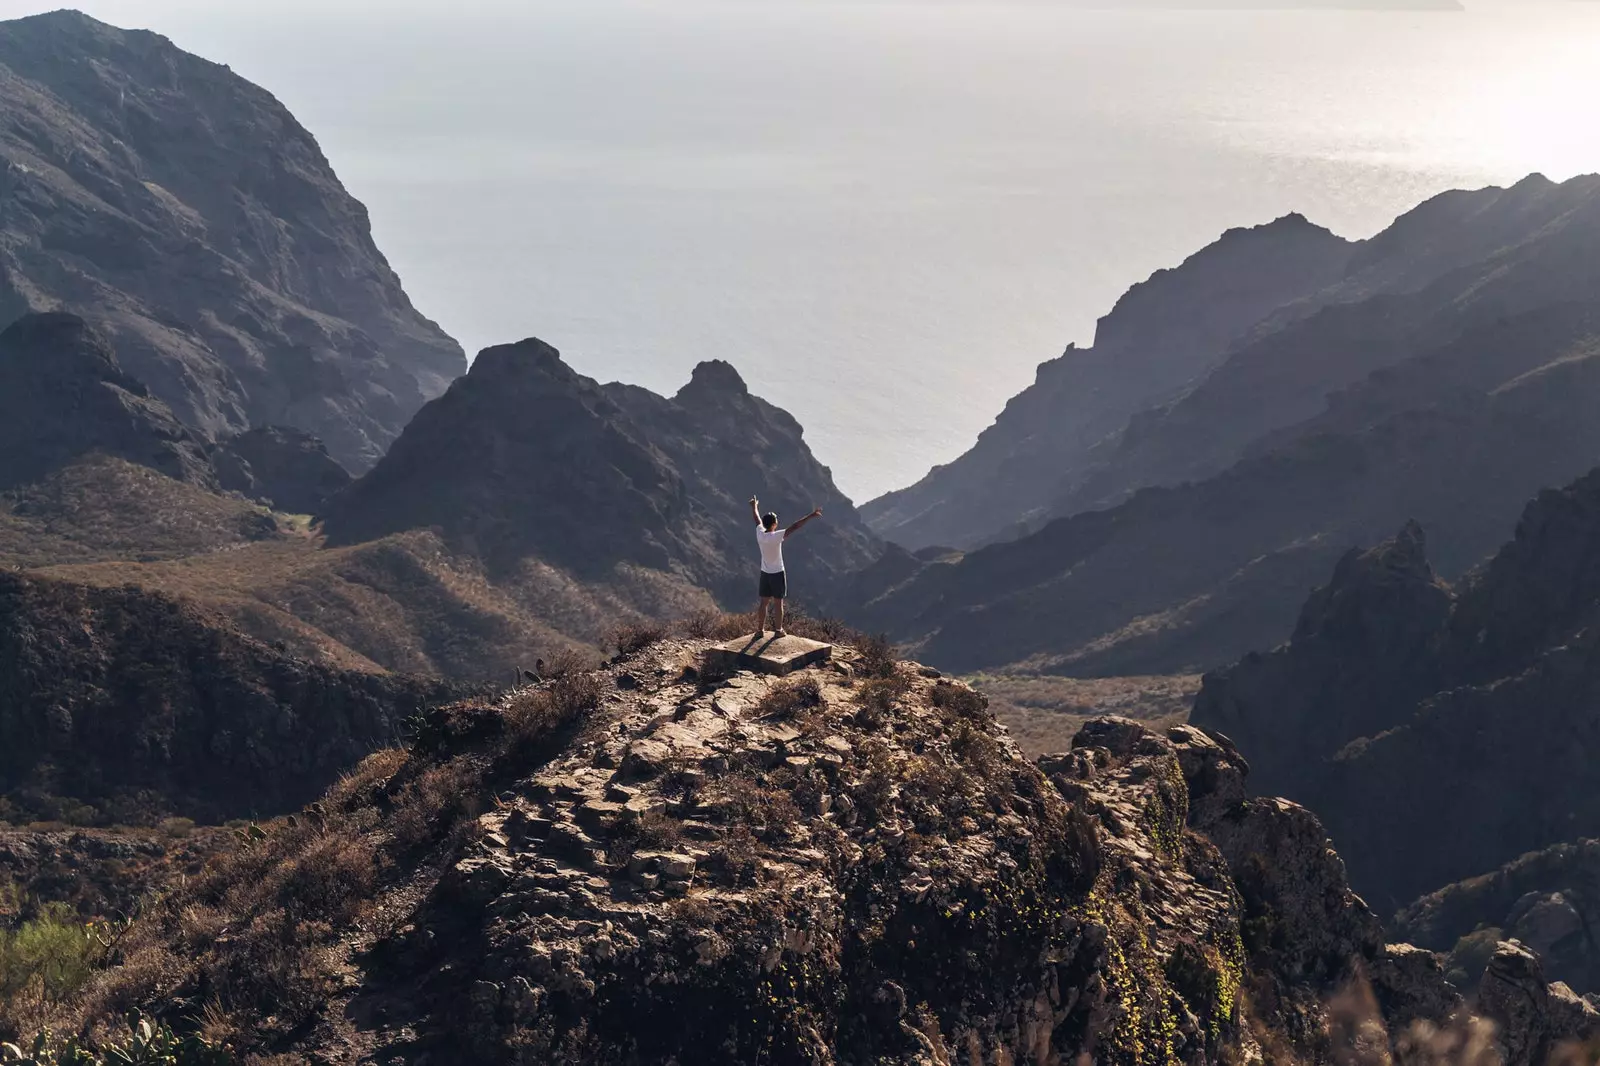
[768, 654]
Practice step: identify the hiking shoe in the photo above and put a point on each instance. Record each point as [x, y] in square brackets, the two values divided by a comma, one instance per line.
[779, 633]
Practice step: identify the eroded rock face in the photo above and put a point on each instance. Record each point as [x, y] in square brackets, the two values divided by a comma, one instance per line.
[185, 211]
[1439, 733]
[1534, 1017]
[1545, 900]
[64, 396]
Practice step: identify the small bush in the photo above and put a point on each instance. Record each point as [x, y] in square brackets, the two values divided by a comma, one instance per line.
[176, 828]
[791, 699]
[717, 625]
[147, 1044]
[877, 698]
[575, 692]
[630, 638]
[826, 630]
[567, 661]
[878, 657]
[53, 955]
[960, 701]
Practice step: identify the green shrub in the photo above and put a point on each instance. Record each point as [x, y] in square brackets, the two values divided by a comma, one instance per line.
[55, 953]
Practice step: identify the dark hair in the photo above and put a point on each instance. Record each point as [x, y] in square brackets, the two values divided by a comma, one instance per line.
[770, 520]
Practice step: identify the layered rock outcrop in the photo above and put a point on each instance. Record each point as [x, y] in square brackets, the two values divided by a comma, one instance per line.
[1546, 900]
[185, 211]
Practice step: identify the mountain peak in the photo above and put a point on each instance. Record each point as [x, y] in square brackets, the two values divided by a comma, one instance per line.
[714, 377]
[526, 359]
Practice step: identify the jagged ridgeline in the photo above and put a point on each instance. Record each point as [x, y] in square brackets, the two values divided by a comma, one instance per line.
[1162, 503]
[652, 863]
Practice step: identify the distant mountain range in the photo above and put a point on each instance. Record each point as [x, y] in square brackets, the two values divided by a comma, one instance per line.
[1446, 373]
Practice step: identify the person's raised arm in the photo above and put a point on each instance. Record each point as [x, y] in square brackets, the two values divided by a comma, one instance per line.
[755, 509]
[816, 513]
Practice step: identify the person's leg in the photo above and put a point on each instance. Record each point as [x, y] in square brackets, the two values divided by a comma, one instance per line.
[761, 616]
[777, 625]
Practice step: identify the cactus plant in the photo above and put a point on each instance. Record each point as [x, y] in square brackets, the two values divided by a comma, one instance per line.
[147, 1044]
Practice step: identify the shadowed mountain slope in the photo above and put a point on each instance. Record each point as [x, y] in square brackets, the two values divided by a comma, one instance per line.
[135, 706]
[1161, 335]
[64, 396]
[1438, 733]
[185, 211]
[524, 459]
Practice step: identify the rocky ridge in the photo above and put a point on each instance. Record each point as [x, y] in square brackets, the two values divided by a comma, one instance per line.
[1161, 335]
[1192, 577]
[184, 211]
[850, 865]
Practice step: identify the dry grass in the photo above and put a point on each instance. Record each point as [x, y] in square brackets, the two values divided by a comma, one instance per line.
[1044, 713]
[269, 929]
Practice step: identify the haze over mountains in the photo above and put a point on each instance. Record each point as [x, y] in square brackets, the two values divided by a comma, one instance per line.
[1445, 376]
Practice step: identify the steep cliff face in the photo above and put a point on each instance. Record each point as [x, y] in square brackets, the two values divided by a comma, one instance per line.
[64, 396]
[121, 705]
[1161, 335]
[525, 459]
[186, 212]
[851, 865]
[1438, 743]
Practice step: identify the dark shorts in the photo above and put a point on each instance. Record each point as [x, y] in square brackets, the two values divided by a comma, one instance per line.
[774, 586]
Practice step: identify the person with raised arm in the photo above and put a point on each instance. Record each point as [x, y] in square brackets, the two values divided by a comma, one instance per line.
[774, 587]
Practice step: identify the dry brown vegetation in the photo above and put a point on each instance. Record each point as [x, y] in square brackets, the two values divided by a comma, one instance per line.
[260, 939]
[1045, 712]
[103, 508]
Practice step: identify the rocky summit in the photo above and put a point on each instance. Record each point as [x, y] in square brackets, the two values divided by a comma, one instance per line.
[184, 211]
[657, 863]
[524, 460]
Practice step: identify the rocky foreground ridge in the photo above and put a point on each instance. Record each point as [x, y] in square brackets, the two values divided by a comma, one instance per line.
[648, 863]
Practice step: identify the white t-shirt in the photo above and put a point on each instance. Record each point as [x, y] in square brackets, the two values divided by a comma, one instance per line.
[771, 550]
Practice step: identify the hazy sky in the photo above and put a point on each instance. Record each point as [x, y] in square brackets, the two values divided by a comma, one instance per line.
[885, 215]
